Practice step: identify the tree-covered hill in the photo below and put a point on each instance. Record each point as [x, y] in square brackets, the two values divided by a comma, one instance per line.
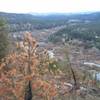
[22, 22]
[88, 31]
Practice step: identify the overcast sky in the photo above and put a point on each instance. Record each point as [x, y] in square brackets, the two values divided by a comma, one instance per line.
[48, 6]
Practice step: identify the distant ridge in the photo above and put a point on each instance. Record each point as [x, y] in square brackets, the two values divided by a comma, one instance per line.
[56, 13]
[46, 20]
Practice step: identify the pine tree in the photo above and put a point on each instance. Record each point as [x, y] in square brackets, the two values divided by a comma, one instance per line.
[3, 38]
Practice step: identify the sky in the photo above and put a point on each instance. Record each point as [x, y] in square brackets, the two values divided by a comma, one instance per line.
[49, 6]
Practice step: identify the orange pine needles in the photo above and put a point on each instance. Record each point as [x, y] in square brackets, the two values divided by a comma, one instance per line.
[20, 67]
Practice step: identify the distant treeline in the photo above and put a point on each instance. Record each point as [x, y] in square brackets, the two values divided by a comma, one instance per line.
[22, 22]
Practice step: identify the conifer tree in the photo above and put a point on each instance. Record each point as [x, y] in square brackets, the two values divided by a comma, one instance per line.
[3, 38]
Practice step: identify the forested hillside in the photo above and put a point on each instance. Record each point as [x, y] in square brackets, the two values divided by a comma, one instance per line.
[22, 22]
[84, 29]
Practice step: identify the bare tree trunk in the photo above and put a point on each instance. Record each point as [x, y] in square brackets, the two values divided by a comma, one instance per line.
[28, 91]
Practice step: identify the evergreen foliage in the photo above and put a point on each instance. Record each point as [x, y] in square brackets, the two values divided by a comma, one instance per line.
[4, 41]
